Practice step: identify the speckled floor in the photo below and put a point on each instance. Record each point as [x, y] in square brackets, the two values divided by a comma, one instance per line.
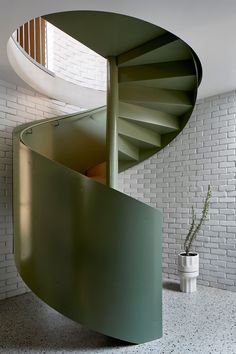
[203, 322]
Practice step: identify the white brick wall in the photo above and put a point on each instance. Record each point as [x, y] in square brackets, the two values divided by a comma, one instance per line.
[73, 61]
[172, 180]
[17, 106]
[178, 176]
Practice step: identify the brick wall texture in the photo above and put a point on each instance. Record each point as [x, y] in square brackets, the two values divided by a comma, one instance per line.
[17, 106]
[177, 177]
[73, 61]
[172, 181]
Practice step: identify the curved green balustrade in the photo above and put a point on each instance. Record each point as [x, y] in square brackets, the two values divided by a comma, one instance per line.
[88, 251]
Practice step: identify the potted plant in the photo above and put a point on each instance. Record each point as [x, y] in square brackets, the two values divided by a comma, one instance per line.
[188, 261]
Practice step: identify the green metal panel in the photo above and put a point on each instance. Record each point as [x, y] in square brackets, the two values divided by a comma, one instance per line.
[111, 131]
[88, 251]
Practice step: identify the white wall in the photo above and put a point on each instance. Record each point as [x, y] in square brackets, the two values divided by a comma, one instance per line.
[17, 106]
[177, 177]
[173, 180]
[72, 61]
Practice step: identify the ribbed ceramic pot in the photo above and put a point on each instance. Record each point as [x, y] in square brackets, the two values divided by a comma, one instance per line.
[188, 267]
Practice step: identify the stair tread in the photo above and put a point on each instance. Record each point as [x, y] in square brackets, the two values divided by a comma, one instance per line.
[161, 121]
[175, 50]
[138, 134]
[154, 71]
[139, 93]
[127, 149]
[176, 109]
[186, 83]
[141, 144]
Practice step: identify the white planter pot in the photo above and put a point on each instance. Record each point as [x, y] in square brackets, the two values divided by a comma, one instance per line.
[188, 267]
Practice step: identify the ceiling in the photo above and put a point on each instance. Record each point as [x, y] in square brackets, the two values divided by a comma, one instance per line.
[207, 26]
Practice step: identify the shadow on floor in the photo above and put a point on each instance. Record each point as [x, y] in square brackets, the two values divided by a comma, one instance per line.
[27, 323]
[171, 285]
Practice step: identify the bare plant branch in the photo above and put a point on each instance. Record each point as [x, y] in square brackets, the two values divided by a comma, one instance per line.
[193, 231]
[188, 237]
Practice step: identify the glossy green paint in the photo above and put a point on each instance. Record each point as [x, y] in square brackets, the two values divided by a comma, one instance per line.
[89, 251]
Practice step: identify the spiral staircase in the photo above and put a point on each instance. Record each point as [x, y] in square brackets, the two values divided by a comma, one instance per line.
[87, 250]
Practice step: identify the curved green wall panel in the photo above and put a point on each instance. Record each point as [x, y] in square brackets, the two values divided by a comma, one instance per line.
[88, 251]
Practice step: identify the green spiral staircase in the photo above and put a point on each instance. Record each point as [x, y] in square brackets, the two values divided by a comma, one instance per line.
[87, 250]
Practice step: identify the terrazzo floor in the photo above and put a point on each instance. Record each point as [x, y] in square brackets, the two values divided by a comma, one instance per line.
[203, 322]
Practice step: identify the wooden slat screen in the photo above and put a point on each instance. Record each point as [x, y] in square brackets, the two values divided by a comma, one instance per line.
[38, 40]
[26, 37]
[32, 38]
[32, 41]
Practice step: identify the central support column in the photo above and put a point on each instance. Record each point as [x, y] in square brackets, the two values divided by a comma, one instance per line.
[111, 130]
